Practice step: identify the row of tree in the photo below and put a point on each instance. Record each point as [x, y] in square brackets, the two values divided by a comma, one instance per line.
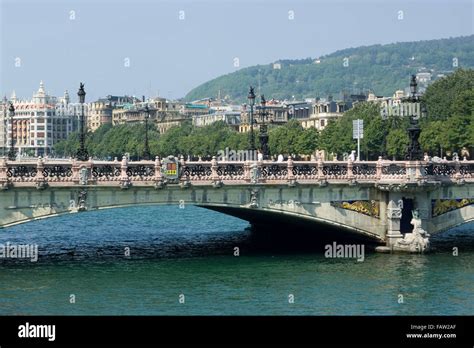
[448, 127]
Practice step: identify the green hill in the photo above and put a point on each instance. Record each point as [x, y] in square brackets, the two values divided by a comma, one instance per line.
[381, 69]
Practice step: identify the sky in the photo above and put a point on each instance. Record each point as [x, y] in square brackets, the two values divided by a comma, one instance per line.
[166, 48]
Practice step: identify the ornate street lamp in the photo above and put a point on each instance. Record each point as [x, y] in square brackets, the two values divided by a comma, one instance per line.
[146, 151]
[263, 128]
[82, 154]
[413, 86]
[251, 98]
[5, 130]
[11, 152]
[414, 152]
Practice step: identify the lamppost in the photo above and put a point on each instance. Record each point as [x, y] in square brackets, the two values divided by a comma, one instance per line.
[82, 154]
[414, 152]
[4, 126]
[11, 152]
[146, 151]
[251, 98]
[263, 128]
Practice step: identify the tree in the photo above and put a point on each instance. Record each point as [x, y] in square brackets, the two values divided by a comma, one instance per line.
[307, 141]
[432, 137]
[451, 93]
[397, 143]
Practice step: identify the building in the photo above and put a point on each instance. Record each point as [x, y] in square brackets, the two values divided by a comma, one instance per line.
[195, 109]
[325, 110]
[163, 113]
[3, 125]
[298, 109]
[37, 127]
[275, 110]
[100, 111]
[229, 114]
[65, 108]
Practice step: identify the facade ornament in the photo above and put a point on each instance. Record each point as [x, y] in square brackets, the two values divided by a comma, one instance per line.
[394, 210]
[254, 173]
[415, 242]
[254, 198]
[82, 200]
[83, 176]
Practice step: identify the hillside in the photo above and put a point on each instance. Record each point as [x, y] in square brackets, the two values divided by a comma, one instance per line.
[381, 69]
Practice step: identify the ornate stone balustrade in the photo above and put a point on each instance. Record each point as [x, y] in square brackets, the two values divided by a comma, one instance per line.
[43, 172]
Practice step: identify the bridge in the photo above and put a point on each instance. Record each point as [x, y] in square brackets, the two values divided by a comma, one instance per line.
[376, 200]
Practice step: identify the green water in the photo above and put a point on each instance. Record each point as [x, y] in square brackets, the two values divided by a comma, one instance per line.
[190, 252]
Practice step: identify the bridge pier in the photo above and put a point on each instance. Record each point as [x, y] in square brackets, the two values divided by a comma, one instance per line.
[394, 215]
[408, 216]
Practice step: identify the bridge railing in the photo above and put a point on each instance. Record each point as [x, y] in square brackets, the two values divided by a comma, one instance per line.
[60, 171]
[393, 170]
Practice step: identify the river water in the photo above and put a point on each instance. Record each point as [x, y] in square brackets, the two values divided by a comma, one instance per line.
[182, 262]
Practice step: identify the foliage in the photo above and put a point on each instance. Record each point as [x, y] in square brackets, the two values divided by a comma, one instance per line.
[450, 95]
[397, 143]
[380, 68]
[292, 139]
[447, 127]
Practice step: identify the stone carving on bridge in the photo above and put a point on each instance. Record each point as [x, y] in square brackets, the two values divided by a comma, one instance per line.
[198, 170]
[363, 169]
[305, 170]
[439, 169]
[22, 172]
[442, 206]
[106, 171]
[83, 176]
[394, 169]
[254, 173]
[415, 242]
[169, 172]
[230, 170]
[4, 185]
[369, 207]
[335, 170]
[411, 187]
[125, 183]
[140, 171]
[41, 184]
[253, 198]
[466, 170]
[82, 200]
[57, 171]
[394, 210]
[275, 171]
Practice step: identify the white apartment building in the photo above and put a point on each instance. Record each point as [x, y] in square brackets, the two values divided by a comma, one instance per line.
[37, 125]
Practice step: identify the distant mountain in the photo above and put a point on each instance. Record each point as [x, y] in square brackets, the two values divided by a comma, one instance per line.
[381, 69]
